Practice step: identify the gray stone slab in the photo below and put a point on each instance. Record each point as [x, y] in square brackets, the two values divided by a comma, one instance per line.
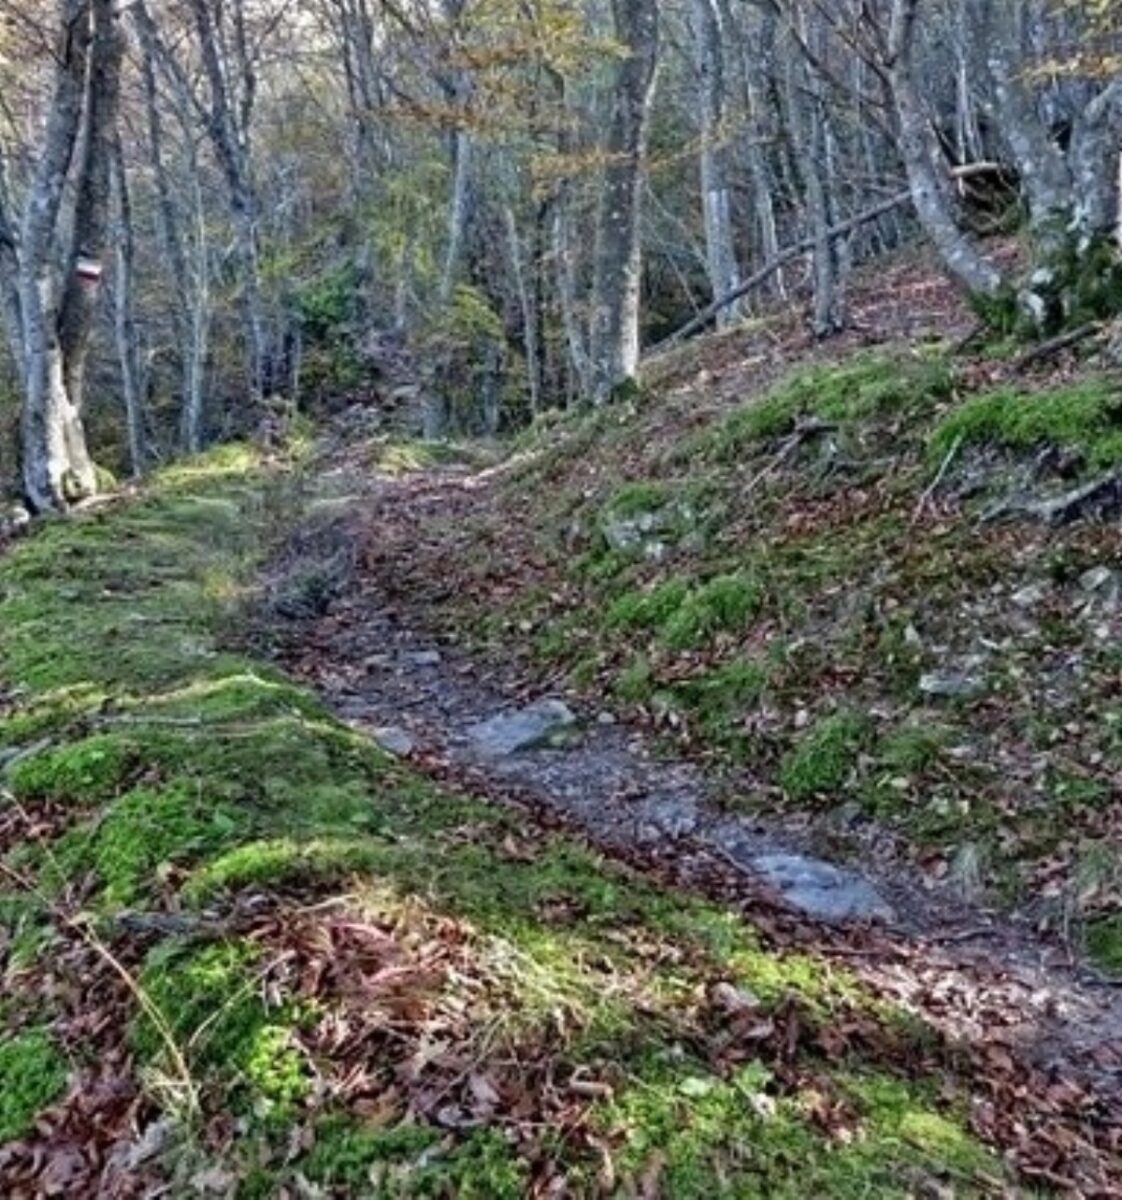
[521, 729]
[819, 889]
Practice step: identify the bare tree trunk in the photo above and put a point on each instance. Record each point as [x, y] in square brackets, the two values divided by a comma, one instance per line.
[182, 241]
[618, 275]
[124, 319]
[716, 196]
[227, 120]
[807, 119]
[528, 312]
[927, 177]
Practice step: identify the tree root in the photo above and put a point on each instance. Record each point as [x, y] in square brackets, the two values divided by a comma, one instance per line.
[1102, 496]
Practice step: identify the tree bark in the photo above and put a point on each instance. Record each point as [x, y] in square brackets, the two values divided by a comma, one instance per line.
[716, 196]
[919, 148]
[56, 305]
[618, 267]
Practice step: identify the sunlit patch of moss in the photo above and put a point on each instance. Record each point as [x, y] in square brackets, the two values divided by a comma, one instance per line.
[862, 387]
[232, 459]
[48, 714]
[396, 459]
[285, 861]
[143, 834]
[823, 759]
[32, 1075]
[83, 772]
[251, 695]
[692, 1127]
[211, 1002]
[1085, 416]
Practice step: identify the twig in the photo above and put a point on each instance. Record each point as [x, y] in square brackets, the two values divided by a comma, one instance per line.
[150, 1009]
[936, 483]
[803, 433]
[969, 338]
[1054, 345]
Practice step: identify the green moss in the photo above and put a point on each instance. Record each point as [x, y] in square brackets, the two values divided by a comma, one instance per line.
[823, 759]
[912, 748]
[144, 834]
[636, 681]
[650, 608]
[719, 697]
[83, 772]
[724, 603]
[1085, 416]
[862, 387]
[1104, 943]
[738, 1137]
[345, 1153]
[643, 496]
[211, 1002]
[32, 1075]
[399, 1162]
[285, 861]
[220, 779]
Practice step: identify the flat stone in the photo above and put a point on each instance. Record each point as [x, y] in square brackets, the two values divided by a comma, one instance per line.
[394, 740]
[1030, 595]
[521, 729]
[424, 658]
[1104, 584]
[819, 889]
[952, 685]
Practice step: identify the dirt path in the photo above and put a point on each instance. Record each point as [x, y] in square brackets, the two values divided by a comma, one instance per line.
[976, 975]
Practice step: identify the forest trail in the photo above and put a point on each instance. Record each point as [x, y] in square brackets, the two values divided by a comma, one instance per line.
[382, 661]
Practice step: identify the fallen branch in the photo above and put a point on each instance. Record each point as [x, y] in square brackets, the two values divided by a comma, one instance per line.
[780, 260]
[1054, 346]
[804, 431]
[936, 483]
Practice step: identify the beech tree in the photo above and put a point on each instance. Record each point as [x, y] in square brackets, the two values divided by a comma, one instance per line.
[52, 248]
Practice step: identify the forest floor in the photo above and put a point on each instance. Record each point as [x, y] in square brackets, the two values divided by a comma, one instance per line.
[697, 801]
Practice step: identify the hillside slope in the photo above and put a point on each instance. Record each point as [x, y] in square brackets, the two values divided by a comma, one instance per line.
[881, 595]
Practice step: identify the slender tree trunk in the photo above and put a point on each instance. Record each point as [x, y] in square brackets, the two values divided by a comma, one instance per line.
[716, 196]
[527, 310]
[618, 275]
[124, 319]
[227, 124]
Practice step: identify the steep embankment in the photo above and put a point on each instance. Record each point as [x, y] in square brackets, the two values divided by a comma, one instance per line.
[246, 953]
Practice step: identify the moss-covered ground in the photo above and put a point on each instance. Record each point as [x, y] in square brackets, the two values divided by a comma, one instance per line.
[226, 917]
